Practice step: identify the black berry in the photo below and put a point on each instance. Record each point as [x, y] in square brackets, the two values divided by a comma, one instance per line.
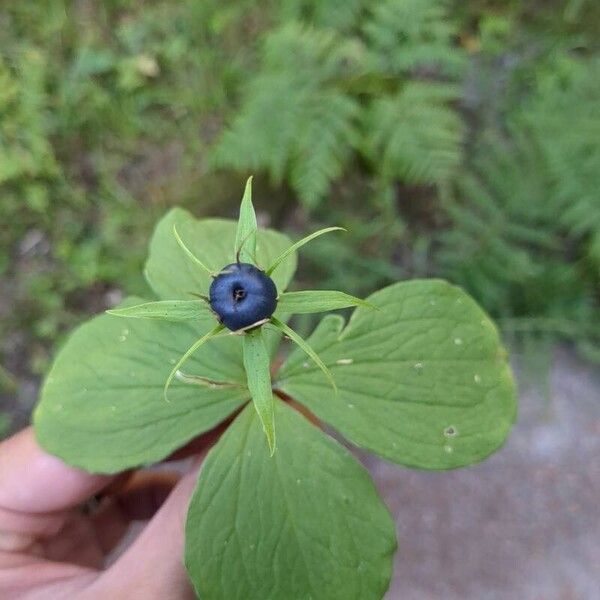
[241, 295]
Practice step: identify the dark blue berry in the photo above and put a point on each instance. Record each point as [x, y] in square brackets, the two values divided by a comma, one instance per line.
[242, 295]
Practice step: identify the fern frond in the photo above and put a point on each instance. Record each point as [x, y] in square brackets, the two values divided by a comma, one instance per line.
[324, 92]
[506, 242]
[414, 135]
[405, 36]
[563, 119]
[324, 145]
[295, 121]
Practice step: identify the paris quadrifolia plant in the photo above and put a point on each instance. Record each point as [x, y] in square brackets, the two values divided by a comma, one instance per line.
[281, 511]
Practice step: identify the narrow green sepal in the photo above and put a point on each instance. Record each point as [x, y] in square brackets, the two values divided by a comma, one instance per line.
[258, 373]
[314, 301]
[165, 310]
[298, 245]
[245, 238]
[190, 254]
[207, 336]
[286, 330]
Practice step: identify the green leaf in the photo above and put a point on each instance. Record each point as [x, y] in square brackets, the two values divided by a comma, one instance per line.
[423, 381]
[245, 237]
[173, 276]
[165, 310]
[189, 352]
[292, 249]
[258, 371]
[305, 523]
[102, 405]
[306, 348]
[313, 301]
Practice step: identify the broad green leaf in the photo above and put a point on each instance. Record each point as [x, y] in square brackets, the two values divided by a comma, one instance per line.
[102, 405]
[165, 310]
[257, 363]
[173, 276]
[424, 381]
[292, 249]
[305, 523]
[313, 301]
[189, 352]
[245, 237]
[306, 348]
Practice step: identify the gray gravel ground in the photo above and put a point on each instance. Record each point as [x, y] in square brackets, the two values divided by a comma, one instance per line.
[523, 525]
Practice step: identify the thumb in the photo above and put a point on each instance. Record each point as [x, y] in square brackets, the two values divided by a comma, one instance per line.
[152, 567]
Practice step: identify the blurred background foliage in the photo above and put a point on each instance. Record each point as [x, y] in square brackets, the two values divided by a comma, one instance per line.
[452, 139]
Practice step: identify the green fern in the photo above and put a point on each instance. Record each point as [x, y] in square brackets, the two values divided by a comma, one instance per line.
[324, 96]
[563, 119]
[524, 219]
[496, 219]
[296, 120]
[414, 135]
[413, 36]
[512, 251]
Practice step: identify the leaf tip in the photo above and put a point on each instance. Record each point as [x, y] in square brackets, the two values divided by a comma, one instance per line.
[247, 197]
[333, 384]
[272, 445]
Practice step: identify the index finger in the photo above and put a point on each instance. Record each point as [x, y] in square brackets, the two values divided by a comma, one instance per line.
[32, 481]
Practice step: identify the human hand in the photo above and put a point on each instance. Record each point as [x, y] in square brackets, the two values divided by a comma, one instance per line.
[51, 549]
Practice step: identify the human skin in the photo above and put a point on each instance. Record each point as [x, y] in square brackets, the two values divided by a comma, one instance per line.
[51, 548]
